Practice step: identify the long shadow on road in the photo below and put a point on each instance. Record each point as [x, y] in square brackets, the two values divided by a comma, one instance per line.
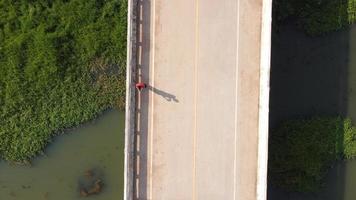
[165, 95]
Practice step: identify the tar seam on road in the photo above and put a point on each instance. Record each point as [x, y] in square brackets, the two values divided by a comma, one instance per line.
[236, 93]
[153, 20]
[195, 95]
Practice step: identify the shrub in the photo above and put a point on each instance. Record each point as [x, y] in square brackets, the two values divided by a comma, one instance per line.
[317, 17]
[302, 151]
[50, 75]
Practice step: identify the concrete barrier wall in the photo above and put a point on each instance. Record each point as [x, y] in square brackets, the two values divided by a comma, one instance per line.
[130, 100]
[265, 60]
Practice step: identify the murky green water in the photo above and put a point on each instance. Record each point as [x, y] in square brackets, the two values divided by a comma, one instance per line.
[74, 160]
[340, 185]
[315, 76]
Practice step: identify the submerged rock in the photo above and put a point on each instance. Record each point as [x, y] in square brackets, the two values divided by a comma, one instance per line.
[91, 185]
[83, 193]
[93, 189]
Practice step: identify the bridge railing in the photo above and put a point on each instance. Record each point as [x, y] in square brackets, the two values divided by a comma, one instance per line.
[130, 100]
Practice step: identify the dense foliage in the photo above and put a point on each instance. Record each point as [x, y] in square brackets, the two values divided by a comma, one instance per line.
[61, 63]
[302, 151]
[316, 16]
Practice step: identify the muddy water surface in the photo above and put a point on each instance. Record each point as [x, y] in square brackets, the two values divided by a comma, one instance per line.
[73, 161]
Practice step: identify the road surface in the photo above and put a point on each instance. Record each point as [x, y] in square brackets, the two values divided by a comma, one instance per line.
[198, 121]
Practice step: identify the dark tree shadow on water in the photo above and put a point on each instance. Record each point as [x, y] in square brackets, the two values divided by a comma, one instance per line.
[313, 76]
[301, 159]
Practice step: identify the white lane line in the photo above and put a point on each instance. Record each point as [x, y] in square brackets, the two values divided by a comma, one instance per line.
[140, 55]
[138, 143]
[140, 39]
[138, 165]
[141, 12]
[195, 95]
[137, 188]
[138, 124]
[153, 21]
[236, 93]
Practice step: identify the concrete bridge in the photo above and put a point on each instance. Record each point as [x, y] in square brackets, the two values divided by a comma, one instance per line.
[199, 131]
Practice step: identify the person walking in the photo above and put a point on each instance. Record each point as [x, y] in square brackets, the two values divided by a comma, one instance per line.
[140, 86]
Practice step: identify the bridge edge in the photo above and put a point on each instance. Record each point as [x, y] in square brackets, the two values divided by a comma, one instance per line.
[265, 58]
[130, 100]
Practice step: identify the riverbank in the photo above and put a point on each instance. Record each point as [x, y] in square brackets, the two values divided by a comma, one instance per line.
[63, 63]
[315, 17]
[302, 151]
[312, 76]
[339, 184]
[75, 160]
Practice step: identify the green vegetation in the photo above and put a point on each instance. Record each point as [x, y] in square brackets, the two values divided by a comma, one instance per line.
[302, 151]
[316, 17]
[62, 62]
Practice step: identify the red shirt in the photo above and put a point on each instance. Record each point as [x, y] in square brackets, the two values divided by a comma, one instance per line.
[140, 86]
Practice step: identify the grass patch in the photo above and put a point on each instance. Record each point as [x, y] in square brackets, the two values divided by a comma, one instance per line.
[62, 62]
[316, 17]
[302, 151]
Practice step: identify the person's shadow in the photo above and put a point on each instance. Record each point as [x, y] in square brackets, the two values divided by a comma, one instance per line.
[165, 95]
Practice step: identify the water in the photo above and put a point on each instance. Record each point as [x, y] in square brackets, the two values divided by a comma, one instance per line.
[340, 185]
[315, 76]
[76, 159]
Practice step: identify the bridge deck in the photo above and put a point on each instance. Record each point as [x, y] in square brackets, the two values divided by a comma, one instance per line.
[198, 120]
